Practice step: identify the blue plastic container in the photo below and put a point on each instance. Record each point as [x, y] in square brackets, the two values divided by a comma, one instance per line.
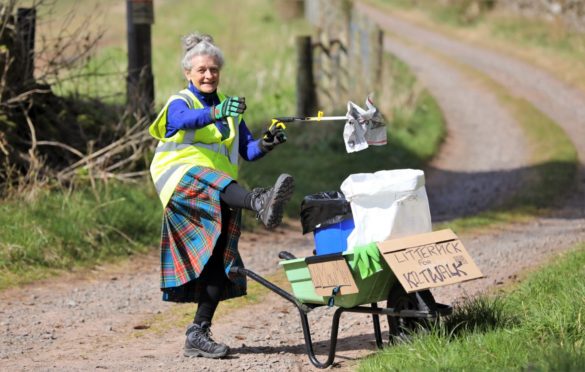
[333, 238]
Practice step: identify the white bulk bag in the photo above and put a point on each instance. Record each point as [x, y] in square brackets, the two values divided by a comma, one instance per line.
[387, 204]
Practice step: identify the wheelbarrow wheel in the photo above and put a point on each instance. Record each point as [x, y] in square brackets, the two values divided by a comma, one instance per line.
[402, 328]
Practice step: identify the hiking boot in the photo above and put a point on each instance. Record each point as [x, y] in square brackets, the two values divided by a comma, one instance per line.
[199, 342]
[269, 202]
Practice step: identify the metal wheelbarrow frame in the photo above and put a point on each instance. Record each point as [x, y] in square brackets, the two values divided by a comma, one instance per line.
[404, 311]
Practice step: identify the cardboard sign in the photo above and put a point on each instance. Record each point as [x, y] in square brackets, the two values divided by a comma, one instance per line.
[328, 273]
[429, 260]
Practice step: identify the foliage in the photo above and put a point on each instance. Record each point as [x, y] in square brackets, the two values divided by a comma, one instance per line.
[42, 133]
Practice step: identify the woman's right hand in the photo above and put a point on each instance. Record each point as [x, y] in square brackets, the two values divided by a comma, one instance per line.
[274, 136]
[231, 106]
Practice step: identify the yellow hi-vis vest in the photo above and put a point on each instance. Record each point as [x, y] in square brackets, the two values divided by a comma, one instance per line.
[175, 155]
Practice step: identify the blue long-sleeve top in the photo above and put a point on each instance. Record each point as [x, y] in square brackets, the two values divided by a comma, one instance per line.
[179, 116]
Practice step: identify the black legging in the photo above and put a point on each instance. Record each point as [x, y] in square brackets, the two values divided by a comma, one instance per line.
[213, 277]
[235, 196]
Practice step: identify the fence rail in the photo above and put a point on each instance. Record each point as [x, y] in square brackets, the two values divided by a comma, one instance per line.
[347, 52]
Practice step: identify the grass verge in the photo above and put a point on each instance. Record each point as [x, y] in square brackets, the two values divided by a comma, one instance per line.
[537, 326]
[549, 44]
[61, 230]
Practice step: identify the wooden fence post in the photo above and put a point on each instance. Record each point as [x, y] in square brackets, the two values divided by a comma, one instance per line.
[25, 47]
[379, 60]
[140, 81]
[306, 96]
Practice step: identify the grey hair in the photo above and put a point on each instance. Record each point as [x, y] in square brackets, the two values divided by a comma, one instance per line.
[196, 44]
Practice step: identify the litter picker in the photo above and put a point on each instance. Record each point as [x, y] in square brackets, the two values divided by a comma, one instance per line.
[363, 127]
[319, 117]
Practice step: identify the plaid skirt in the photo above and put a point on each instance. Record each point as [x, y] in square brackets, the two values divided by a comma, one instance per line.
[192, 225]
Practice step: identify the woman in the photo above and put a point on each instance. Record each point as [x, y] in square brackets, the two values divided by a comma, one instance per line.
[201, 134]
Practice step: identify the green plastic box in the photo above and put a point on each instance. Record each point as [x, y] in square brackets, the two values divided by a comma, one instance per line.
[373, 288]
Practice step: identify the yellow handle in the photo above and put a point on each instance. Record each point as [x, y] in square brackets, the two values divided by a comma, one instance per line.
[275, 123]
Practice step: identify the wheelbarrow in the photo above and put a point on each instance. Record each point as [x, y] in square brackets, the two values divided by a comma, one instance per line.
[406, 312]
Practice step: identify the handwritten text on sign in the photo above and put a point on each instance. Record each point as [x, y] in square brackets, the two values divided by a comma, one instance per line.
[429, 260]
[332, 274]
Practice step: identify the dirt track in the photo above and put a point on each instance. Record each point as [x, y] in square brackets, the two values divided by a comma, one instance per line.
[86, 321]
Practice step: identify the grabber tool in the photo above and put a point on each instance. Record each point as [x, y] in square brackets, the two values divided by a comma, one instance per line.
[279, 122]
[319, 117]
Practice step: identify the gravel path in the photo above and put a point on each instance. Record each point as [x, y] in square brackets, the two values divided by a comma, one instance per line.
[560, 101]
[87, 320]
[478, 165]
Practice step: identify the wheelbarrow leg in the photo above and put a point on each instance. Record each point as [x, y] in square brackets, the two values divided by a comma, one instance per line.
[377, 330]
[332, 342]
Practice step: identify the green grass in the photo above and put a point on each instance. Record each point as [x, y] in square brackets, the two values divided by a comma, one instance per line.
[547, 43]
[536, 33]
[263, 71]
[551, 36]
[538, 326]
[60, 230]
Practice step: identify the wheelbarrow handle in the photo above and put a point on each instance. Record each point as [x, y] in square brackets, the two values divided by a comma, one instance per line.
[274, 288]
[284, 255]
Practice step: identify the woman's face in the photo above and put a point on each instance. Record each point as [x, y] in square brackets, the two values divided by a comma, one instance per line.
[204, 74]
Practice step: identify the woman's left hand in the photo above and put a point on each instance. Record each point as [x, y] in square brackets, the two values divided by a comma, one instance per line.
[231, 106]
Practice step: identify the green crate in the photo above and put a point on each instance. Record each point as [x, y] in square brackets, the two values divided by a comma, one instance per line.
[371, 289]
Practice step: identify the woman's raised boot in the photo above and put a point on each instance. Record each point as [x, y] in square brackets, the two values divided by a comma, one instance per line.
[269, 202]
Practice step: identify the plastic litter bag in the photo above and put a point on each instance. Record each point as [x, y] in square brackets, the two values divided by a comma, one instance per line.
[387, 204]
[323, 209]
[363, 128]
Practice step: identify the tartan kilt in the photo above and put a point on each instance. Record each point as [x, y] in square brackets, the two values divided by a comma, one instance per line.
[191, 226]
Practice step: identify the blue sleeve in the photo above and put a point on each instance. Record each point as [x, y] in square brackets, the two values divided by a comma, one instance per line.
[249, 147]
[179, 116]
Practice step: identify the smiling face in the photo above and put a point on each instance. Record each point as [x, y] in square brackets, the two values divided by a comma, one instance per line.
[204, 74]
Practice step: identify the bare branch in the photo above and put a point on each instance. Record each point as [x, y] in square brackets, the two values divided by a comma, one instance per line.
[61, 145]
[115, 152]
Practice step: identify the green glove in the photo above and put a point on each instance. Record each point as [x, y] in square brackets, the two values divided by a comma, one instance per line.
[367, 260]
[231, 106]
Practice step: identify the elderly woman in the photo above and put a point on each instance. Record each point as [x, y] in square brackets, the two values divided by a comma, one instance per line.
[201, 134]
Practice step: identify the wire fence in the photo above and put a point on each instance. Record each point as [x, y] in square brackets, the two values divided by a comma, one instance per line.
[347, 52]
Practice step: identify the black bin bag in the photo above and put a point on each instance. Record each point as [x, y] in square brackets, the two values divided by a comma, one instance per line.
[324, 209]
